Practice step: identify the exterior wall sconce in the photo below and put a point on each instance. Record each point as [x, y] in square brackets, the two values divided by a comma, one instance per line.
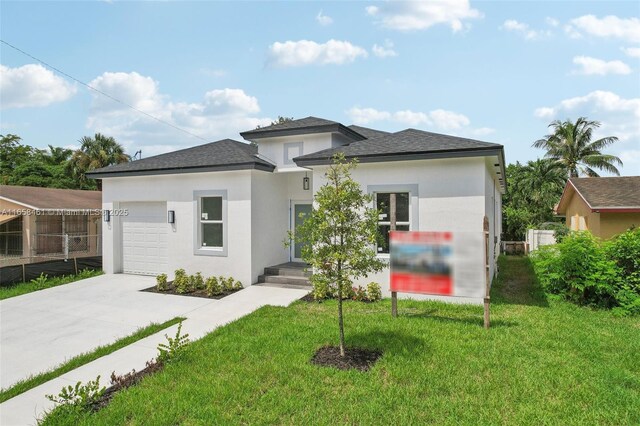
[305, 182]
[107, 216]
[171, 216]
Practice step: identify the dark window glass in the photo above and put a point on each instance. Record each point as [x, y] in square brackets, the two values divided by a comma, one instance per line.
[212, 235]
[211, 208]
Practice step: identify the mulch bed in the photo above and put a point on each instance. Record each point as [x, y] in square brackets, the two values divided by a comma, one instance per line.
[358, 358]
[198, 293]
[119, 383]
[309, 298]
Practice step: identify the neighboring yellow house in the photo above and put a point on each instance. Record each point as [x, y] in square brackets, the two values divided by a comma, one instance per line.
[606, 206]
[41, 223]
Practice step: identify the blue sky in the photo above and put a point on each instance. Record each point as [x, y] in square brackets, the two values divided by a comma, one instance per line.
[494, 71]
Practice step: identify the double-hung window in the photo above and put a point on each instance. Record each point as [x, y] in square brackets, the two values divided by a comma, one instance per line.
[394, 215]
[211, 223]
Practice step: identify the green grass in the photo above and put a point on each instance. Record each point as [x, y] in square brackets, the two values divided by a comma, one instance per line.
[34, 285]
[85, 358]
[544, 361]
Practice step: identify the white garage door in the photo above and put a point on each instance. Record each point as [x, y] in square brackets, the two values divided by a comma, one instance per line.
[144, 238]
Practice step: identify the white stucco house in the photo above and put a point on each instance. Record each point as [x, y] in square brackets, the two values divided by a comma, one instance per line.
[224, 208]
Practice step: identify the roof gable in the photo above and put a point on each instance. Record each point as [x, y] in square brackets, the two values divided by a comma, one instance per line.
[603, 193]
[51, 198]
[307, 125]
[225, 154]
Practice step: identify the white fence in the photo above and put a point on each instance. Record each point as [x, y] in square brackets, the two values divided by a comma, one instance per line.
[539, 237]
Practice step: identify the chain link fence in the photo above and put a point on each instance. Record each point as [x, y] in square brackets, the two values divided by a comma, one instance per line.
[55, 246]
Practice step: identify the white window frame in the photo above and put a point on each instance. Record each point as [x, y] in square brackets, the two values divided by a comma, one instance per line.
[412, 189]
[199, 249]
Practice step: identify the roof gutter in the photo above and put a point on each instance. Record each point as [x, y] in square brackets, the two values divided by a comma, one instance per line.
[181, 170]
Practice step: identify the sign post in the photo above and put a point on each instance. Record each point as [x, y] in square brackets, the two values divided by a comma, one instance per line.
[487, 285]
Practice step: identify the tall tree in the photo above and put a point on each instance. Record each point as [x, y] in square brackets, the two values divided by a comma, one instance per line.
[94, 153]
[340, 234]
[12, 154]
[570, 144]
[533, 190]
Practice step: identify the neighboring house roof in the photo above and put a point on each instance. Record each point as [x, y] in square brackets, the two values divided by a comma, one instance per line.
[404, 145]
[368, 132]
[603, 194]
[302, 126]
[222, 155]
[51, 198]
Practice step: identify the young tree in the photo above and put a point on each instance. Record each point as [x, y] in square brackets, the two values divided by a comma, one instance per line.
[340, 234]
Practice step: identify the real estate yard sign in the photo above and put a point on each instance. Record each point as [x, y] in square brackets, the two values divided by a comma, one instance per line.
[437, 263]
[440, 263]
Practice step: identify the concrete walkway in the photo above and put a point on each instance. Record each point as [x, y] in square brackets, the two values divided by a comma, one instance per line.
[83, 315]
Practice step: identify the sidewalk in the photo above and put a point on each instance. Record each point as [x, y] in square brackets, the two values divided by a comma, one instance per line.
[24, 409]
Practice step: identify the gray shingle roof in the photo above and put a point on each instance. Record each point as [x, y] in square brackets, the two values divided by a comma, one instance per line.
[406, 144]
[368, 132]
[609, 192]
[302, 126]
[225, 154]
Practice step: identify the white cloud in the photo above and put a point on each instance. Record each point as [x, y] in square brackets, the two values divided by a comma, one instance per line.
[221, 113]
[619, 117]
[552, 22]
[384, 51]
[32, 85]
[324, 20]
[438, 118]
[420, 15]
[609, 26]
[367, 115]
[448, 119]
[633, 52]
[524, 30]
[594, 66]
[306, 52]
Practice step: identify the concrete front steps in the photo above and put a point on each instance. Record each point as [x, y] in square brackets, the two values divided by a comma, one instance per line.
[286, 275]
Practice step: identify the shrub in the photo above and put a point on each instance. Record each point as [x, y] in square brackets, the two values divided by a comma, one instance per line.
[161, 282]
[181, 281]
[374, 293]
[359, 294]
[588, 272]
[174, 346]
[227, 283]
[196, 282]
[212, 286]
[321, 290]
[41, 281]
[79, 396]
[237, 285]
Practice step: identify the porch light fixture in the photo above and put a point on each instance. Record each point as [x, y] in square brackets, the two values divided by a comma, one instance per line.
[171, 216]
[107, 216]
[305, 182]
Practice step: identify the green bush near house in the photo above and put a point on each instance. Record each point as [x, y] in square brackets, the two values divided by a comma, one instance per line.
[587, 271]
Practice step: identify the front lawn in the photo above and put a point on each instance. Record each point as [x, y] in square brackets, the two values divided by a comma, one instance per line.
[542, 362]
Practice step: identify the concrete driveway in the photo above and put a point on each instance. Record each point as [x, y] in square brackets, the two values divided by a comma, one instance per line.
[40, 330]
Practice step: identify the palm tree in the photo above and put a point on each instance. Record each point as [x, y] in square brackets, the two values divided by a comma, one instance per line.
[570, 145]
[94, 153]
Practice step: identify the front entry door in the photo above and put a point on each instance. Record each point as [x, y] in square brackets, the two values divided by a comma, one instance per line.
[300, 210]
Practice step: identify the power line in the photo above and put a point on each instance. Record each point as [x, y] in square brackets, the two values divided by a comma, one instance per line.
[159, 120]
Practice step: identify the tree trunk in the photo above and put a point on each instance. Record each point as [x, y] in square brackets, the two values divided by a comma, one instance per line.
[340, 318]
